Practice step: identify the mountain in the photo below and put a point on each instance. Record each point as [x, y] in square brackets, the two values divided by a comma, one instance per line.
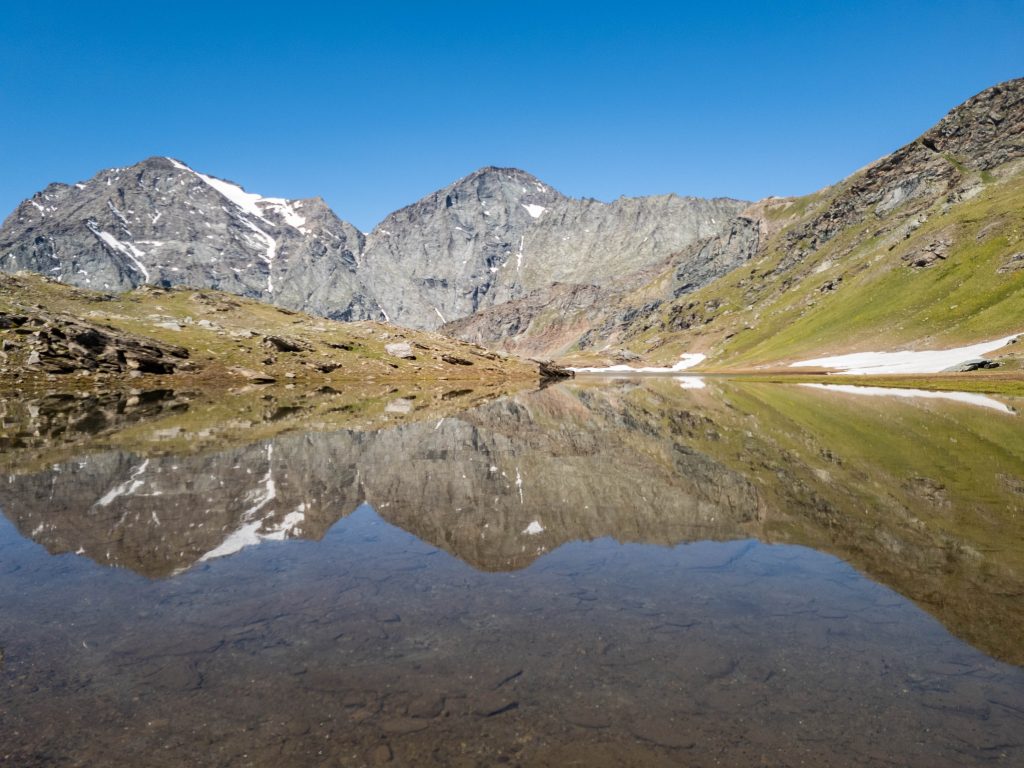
[554, 320]
[488, 238]
[500, 233]
[924, 247]
[160, 222]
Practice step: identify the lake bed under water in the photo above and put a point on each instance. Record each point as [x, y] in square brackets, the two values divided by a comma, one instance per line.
[597, 573]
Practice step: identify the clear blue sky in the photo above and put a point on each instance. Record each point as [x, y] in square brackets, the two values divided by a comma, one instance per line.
[373, 105]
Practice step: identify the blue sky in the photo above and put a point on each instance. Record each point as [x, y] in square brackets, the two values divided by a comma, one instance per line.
[373, 105]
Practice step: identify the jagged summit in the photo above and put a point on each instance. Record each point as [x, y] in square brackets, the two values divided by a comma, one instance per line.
[161, 222]
[486, 238]
[500, 233]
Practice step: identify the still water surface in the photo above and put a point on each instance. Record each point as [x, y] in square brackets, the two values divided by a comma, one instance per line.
[610, 573]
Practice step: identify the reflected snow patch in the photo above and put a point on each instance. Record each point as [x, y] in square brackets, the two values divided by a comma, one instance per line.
[961, 397]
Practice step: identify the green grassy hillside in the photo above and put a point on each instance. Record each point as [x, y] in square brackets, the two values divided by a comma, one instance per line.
[923, 249]
[859, 292]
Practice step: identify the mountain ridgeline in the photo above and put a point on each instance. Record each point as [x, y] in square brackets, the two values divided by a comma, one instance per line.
[922, 245]
[488, 238]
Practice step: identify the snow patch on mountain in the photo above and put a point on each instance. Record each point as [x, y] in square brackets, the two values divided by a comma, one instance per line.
[247, 201]
[129, 251]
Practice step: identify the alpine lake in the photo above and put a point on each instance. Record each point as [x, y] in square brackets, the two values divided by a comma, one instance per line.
[647, 571]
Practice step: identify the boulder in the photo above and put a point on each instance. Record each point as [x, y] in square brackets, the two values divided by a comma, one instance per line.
[974, 364]
[285, 344]
[548, 370]
[401, 350]
[61, 344]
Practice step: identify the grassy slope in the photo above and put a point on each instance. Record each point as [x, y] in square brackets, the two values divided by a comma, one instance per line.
[881, 303]
[234, 339]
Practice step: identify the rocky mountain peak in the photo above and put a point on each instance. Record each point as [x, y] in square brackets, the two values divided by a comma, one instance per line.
[500, 233]
[487, 238]
[161, 222]
[492, 192]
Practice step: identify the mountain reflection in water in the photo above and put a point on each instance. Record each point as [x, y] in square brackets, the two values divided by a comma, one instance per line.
[583, 647]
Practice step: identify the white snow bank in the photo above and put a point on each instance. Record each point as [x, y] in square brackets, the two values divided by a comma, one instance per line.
[244, 200]
[271, 245]
[287, 210]
[248, 534]
[534, 210]
[686, 361]
[127, 488]
[245, 536]
[906, 361]
[533, 529]
[250, 202]
[290, 524]
[961, 397]
[129, 251]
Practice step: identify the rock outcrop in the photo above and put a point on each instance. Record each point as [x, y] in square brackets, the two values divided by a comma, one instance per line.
[574, 316]
[56, 343]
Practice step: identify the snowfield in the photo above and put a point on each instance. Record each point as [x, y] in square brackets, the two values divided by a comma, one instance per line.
[907, 361]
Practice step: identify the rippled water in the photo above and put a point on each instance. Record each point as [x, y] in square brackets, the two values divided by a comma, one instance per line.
[616, 573]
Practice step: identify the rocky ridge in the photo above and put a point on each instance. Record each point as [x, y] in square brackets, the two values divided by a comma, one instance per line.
[488, 238]
[574, 317]
[161, 223]
[500, 233]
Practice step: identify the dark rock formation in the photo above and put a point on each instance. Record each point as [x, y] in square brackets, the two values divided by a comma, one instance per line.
[975, 364]
[62, 344]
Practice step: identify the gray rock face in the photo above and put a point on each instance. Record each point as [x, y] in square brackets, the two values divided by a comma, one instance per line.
[500, 233]
[557, 318]
[162, 223]
[489, 238]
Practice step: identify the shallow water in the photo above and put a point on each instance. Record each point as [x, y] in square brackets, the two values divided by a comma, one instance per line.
[614, 573]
